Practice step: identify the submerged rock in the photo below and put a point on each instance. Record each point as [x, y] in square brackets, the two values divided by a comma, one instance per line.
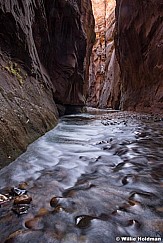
[34, 224]
[20, 209]
[17, 192]
[3, 199]
[23, 199]
[42, 212]
[54, 202]
[23, 186]
[83, 221]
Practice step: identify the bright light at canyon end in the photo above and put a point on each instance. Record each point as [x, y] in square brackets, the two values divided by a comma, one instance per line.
[104, 79]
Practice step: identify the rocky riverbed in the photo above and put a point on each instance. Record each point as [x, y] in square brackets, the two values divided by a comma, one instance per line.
[95, 177]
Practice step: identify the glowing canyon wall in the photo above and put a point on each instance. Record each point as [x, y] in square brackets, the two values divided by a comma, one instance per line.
[104, 79]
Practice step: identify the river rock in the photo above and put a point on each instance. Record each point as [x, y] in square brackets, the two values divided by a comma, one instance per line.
[42, 212]
[54, 202]
[133, 223]
[23, 186]
[17, 192]
[3, 199]
[83, 221]
[23, 199]
[34, 224]
[20, 209]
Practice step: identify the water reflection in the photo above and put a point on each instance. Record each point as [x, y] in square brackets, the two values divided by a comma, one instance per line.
[90, 179]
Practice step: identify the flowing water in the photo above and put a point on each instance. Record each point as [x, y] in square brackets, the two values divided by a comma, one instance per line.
[91, 179]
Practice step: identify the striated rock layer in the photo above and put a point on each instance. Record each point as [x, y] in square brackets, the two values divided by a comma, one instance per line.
[104, 80]
[139, 48]
[44, 51]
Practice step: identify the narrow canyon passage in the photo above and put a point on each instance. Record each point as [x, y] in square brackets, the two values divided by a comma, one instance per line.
[94, 177]
[104, 71]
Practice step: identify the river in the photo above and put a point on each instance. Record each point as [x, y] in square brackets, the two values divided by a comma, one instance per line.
[94, 177]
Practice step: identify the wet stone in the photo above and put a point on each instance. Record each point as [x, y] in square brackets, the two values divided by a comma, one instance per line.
[127, 179]
[121, 151]
[20, 209]
[134, 223]
[13, 235]
[108, 147]
[23, 185]
[34, 224]
[72, 190]
[17, 192]
[118, 166]
[159, 209]
[54, 202]
[101, 142]
[140, 195]
[121, 211]
[3, 199]
[24, 236]
[58, 209]
[24, 199]
[83, 221]
[42, 212]
[133, 203]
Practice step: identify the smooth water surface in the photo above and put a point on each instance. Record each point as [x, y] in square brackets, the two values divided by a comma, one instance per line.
[105, 177]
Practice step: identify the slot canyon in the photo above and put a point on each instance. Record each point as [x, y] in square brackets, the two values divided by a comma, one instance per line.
[104, 79]
[81, 121]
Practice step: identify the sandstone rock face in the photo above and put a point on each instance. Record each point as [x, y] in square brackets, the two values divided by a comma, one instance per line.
[139, 47]
[104, 80]
[88, 21]
[43, 45]
[67, 50]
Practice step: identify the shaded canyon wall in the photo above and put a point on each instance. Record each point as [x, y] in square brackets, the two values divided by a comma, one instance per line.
[44, 51]
[126, 69]
[104, 79]
[139, 45]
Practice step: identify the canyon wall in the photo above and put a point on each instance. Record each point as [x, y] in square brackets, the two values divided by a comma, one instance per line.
[104, 79]
[139, 45]
[44, 52]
